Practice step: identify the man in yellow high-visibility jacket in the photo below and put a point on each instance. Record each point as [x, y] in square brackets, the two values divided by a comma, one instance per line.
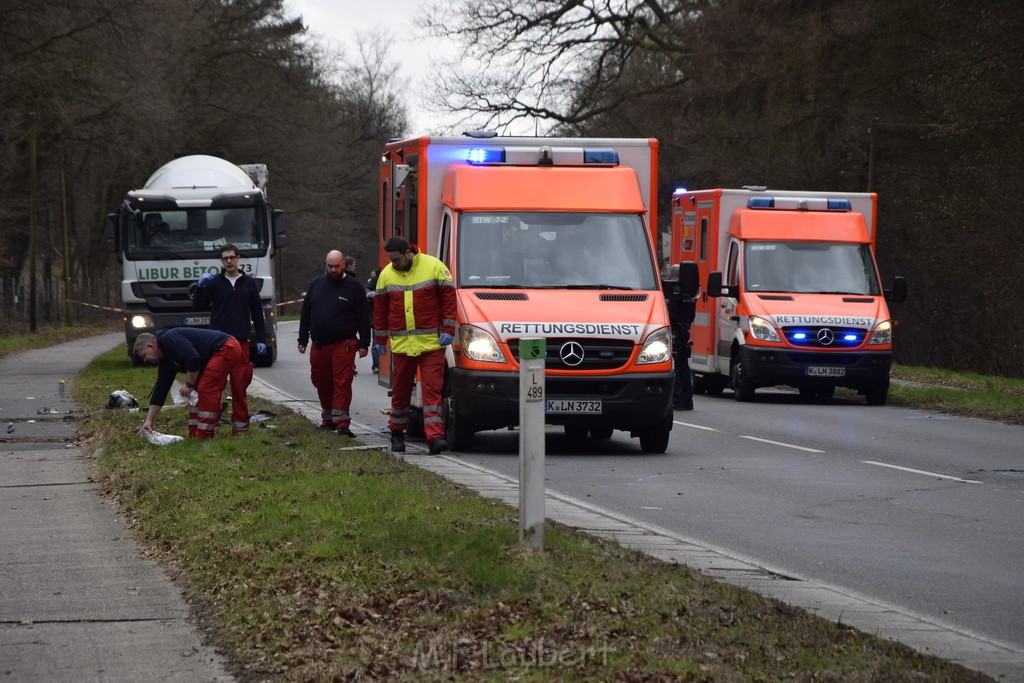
[414, 305]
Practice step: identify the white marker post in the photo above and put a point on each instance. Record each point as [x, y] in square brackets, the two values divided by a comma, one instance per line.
[531, 441]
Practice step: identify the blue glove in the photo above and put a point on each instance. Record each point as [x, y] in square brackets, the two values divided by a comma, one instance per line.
[382, 350]
[261, 348]
[204, 278]
[445, 339]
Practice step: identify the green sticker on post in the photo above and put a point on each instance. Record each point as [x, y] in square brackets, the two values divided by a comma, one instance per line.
[532, 348]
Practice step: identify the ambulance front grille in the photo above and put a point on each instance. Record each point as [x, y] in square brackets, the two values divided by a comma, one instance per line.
[598, 354]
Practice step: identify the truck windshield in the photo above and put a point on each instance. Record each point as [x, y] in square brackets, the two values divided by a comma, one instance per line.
[810, 267]
[540, 250]
[191, 233]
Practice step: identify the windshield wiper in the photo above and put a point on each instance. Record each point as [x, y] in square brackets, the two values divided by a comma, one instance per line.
[603, 285]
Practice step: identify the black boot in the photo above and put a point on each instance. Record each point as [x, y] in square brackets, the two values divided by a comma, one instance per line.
[398, 442]
[438, 446]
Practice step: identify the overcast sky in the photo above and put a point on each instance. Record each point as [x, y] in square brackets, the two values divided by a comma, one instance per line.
[338, 21]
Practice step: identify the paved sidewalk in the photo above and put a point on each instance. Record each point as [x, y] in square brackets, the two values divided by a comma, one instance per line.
[78, 601]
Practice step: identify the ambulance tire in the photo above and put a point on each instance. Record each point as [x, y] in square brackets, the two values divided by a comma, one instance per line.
[458, 431]
[655, 439]
[876, 396]
[742, 387]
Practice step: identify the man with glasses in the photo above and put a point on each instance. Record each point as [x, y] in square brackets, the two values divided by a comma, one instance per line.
[233, 299]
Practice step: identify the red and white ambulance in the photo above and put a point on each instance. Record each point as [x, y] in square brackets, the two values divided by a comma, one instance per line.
[544, 237]
[793, 295]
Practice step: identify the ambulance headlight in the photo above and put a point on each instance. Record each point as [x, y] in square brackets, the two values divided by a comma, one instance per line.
[142, 321]
[882, 333]
[762, 330]
[478, 345]
[657, 348]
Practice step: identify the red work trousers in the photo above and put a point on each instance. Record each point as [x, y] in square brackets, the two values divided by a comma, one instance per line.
[330, 370]
[227, 364]
[403, 373]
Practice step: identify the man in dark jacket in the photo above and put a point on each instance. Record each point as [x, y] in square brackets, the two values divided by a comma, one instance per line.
[681, 313]
[233, 299]
[336, 315]
[209, 359]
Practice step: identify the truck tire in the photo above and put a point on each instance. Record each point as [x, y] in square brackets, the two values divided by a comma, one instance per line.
[458, 431]
[876, 396]
[655, 439]
[265, 360]
[742, 387]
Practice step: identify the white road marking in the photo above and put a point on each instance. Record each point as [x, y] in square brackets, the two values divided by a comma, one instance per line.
[930, 474]
[690, 424]
[780, 443]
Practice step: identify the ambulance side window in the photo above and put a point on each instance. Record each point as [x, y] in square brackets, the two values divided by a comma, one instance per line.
[732, 276]
[703, 239]
[442, 247]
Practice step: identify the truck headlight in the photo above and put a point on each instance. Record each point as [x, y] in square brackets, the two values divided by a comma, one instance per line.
[882, 333]
[142, 321]
[478, 345]
[657, 348]
[762, 330]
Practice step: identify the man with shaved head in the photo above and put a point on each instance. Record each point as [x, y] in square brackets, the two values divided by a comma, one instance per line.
[336, 317]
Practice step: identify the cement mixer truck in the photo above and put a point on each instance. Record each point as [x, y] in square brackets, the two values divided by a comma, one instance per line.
[168, 233]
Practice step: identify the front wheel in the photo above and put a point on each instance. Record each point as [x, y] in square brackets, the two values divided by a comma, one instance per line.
[458, 431]
[742, 387]
[655, 439]
[876, 396]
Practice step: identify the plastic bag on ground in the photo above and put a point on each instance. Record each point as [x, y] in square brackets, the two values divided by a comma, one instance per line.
[158, 439]
[122, 399]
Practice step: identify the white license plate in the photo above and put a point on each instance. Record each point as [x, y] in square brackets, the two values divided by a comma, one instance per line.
[195, 320]
[825, 372]
[577, 407]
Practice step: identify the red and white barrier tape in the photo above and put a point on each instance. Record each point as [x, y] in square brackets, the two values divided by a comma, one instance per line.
[102, 308]
[293, 301]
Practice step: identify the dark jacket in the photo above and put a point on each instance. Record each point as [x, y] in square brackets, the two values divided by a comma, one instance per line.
[233, 309]
[681, 313]
[334, 310]
[185, 349]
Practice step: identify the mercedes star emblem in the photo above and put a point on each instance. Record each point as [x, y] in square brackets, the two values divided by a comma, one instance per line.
[571, 353]
[825, 336]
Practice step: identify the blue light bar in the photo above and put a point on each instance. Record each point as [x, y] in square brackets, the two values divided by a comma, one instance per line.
[486, 155]
[680, 190]
[600, 156]
[800, 335]
[761, 203]
[850, 337]
[839, 205]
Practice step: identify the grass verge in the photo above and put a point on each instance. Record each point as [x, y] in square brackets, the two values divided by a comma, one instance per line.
[311, 562]
[959, 393]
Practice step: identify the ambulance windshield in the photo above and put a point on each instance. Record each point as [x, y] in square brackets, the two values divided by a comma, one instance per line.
[809, 267]
[555, 250]
[192, 233]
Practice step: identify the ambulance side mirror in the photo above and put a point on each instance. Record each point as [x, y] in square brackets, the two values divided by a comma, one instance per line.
[898, 293]
[716, 288]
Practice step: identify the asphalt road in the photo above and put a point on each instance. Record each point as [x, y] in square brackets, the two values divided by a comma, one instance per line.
[918, 509]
